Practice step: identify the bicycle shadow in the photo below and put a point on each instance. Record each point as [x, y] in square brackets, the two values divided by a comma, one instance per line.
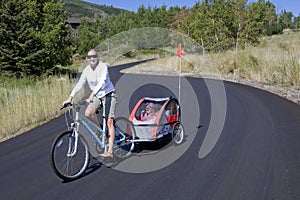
[159, 144]
[96, 165]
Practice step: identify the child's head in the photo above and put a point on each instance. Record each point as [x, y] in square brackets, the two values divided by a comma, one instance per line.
[150, 107]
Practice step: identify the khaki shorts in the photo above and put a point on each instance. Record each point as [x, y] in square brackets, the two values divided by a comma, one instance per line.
[109, 102]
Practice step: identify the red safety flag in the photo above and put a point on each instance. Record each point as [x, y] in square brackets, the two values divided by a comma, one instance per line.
[180, 51]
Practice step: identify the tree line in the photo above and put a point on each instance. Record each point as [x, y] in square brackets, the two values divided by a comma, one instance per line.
[35, 38]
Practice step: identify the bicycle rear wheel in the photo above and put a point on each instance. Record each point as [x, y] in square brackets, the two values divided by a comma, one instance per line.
[125, 147]
[67, 162]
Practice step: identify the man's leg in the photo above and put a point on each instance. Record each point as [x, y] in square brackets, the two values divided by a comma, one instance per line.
[109, 107]
[90, 112]
[111, 132]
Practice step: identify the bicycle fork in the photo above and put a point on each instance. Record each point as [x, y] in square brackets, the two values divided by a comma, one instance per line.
[73, 141]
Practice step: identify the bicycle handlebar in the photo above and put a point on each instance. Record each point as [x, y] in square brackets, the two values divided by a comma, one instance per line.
[66, 105]
[81, 102]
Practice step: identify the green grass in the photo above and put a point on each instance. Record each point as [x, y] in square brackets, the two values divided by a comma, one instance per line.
[275, 61]
[25, 102]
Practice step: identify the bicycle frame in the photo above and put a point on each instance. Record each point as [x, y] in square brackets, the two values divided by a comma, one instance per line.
[87, 124]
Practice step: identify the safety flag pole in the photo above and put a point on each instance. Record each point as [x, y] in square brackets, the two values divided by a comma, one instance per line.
[179, 54]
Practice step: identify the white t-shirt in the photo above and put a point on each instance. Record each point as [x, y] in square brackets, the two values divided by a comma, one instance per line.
[97, 79]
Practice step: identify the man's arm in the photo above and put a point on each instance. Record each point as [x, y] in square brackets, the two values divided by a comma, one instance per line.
[79, 84]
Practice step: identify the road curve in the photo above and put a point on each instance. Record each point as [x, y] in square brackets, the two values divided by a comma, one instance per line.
[256, 154]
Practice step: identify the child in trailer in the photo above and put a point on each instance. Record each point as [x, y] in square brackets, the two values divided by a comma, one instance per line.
[149, 112]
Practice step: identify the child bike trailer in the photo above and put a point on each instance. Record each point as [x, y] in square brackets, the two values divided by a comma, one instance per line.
[154, 118]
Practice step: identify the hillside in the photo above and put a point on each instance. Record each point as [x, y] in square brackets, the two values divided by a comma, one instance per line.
[78, 8]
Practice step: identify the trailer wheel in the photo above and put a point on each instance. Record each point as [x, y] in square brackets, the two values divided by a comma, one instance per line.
[178, 133]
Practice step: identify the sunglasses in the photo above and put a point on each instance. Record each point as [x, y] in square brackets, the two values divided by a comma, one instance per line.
[91, 56]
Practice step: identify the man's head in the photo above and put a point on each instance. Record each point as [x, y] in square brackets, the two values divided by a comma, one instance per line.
[92, 57]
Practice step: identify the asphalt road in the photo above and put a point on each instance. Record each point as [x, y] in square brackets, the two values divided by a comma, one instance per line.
[241, 143]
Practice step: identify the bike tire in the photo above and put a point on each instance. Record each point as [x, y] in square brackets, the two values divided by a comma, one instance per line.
[124, 148]
[69, 167]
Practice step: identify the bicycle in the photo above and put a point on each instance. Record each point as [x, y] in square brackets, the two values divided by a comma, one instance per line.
[70, 153]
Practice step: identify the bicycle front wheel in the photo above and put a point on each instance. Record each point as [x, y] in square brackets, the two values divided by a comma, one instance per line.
[68, 159]
[124, 147]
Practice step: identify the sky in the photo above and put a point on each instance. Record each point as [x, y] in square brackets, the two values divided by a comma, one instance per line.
[131, 5]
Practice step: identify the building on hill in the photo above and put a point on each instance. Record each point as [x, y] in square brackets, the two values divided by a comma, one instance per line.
[74, 22]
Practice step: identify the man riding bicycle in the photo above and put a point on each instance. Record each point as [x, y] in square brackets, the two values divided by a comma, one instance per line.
[97, 77]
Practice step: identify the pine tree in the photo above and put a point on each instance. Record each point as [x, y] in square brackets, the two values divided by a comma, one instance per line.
[33, 37]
